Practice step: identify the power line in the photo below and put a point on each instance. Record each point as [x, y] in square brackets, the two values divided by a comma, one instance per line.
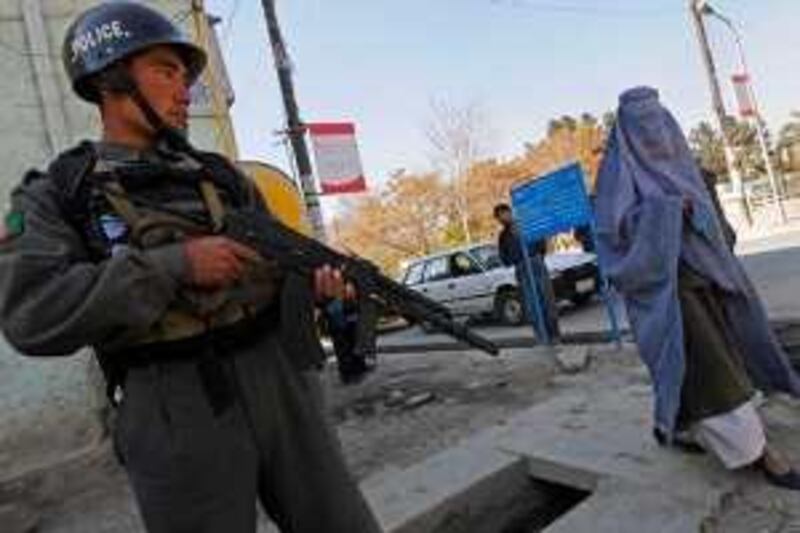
[583, 9]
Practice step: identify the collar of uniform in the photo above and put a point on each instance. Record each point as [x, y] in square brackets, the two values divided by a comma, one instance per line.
[121, 153]
[167, 154]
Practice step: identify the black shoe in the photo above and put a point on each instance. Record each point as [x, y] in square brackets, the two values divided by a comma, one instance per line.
[790, 480]
[355, 372]
[678, 442]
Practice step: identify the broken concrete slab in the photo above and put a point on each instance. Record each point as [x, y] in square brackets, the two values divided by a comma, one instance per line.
[18, 518]
[618, 506]
[395, 398]
[572, 359]
[581, 438]
[595, 439]
[418, 400]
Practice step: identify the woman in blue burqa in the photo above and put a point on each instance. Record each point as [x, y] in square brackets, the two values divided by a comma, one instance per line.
[699, 325]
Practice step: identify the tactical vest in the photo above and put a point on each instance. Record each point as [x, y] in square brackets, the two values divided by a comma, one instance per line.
[82, 203]
[108, 217]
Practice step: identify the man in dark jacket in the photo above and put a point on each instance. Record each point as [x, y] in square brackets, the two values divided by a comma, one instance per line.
[511, 254]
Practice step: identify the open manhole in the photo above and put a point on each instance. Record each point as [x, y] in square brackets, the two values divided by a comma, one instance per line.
[513, 502]
[539, 505]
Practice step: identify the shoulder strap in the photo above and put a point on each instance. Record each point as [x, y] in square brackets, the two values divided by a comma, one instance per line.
[70, 168]
[225, 176]
[213, 203]
[119, 200]
[68, 173]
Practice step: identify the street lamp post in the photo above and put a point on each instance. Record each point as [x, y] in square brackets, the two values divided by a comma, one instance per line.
[697, 7]
[760, 128]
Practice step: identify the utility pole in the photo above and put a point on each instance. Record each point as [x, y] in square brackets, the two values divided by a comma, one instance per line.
[294, 126]
[696, 7]
[759, 121]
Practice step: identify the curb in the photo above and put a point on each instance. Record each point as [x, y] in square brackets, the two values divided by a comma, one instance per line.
[580, 337]
[786, 328]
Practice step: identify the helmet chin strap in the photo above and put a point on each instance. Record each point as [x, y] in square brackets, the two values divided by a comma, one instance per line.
[174, 137]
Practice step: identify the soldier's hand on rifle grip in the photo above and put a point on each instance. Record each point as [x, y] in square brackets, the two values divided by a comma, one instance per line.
[330, 283]
[350, 292]
[216, 262]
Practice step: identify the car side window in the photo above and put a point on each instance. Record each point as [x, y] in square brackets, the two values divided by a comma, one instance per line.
[414, 274]
[489, 256]
[463, 265]
[437, 269]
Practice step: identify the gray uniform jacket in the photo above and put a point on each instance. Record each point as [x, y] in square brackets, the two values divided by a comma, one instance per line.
[55, 298]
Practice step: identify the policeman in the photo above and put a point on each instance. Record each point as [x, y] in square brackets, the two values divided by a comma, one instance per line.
[204, 344]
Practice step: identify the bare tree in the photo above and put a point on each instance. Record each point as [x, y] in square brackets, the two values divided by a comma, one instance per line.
[458, 137]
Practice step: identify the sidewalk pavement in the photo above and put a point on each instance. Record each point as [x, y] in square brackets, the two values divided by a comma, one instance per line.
[768, 224]
[592, 439]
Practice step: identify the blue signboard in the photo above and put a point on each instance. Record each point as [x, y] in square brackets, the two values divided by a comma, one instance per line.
[545, 206]
[551, 204]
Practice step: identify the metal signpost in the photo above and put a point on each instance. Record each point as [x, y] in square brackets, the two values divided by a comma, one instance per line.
[545, 206]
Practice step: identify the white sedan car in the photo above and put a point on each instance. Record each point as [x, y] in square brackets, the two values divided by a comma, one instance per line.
[471, 281]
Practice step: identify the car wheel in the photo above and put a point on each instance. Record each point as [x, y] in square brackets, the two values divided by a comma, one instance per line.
[509, 308]
[581, 299]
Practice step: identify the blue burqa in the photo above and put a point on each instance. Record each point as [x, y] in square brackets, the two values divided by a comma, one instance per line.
[647, 175]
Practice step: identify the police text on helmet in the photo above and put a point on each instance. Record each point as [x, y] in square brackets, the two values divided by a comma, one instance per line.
[101, 35]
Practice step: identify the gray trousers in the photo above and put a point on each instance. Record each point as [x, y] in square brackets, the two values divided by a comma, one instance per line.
[196, 472]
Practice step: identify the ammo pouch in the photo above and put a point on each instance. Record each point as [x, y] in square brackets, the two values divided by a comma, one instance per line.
[196, 311]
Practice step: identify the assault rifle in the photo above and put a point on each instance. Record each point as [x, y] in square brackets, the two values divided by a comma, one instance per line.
[300, 253]
[296, 252]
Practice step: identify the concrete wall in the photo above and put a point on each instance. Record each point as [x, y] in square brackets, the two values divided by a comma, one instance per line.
[49, 407]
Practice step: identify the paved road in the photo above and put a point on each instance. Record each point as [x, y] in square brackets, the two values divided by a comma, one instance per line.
[773, 264]
[774, 267]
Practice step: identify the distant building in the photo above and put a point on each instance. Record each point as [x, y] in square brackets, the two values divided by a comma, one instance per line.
[46, 405]
[790, 156]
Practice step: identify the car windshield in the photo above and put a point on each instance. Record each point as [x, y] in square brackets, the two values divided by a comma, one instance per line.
[414, 274]
[488, 256]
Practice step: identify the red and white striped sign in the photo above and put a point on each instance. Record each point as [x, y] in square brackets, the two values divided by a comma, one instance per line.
[336, 156]
[741, 86]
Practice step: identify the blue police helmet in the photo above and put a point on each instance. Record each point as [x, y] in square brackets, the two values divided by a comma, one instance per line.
[113, 31]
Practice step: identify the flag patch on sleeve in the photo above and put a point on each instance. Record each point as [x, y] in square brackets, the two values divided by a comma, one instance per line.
[13, 226]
